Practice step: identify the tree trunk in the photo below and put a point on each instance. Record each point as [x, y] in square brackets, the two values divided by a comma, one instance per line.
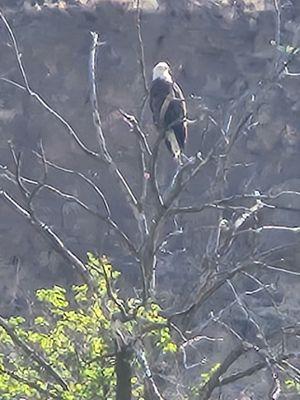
[123, 373]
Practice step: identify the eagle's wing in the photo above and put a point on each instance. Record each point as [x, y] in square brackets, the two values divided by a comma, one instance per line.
[179, 95]
[159, 92]
[154, 104]
[175, 117]
[178, 91]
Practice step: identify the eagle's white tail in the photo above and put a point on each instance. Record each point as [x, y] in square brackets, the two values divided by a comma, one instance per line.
[176, 150]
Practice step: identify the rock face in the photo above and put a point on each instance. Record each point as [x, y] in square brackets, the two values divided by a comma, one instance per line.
[221, 55]
[218, 53]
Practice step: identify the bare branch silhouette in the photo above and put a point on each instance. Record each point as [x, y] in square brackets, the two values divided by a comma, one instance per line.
[41, 362]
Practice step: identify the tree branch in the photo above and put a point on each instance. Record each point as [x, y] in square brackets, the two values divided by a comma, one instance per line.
[37, 97]
[32, 354]
[50, 236]
[141, 49]
[136, 206]
[82, 176]
[31, 384]
[214, 381]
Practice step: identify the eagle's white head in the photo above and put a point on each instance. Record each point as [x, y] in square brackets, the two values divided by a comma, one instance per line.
[162, 71]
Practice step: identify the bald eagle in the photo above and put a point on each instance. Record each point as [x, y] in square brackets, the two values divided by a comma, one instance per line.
[168, 107]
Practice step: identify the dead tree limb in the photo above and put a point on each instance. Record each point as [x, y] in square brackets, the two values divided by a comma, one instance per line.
[214, 381]
[50, 236]
[41, 362]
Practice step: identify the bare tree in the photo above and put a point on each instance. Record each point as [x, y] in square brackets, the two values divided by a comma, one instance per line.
[233, 255]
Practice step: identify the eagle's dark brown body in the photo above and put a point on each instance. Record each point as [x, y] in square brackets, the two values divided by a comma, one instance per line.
[167, 104]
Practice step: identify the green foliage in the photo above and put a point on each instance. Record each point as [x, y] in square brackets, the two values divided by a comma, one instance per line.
[287, 49]
[74, 331]
[205, 377]
[292, 386]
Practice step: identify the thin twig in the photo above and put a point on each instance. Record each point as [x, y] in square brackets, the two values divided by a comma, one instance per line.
[140, 353]
[141, 50]
[276, 268]
[18, 161]
[118, 302]
[37, 97]
[135, 127]
[277, 7]
[134, 203]
[210, 285]
[292, 229]
[69, 197]
[82, 176]
[247, 372]
[50, 236]
[41, 184]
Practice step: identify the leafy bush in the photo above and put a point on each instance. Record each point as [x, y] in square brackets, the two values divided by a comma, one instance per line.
[292, 386]
[68, 348]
